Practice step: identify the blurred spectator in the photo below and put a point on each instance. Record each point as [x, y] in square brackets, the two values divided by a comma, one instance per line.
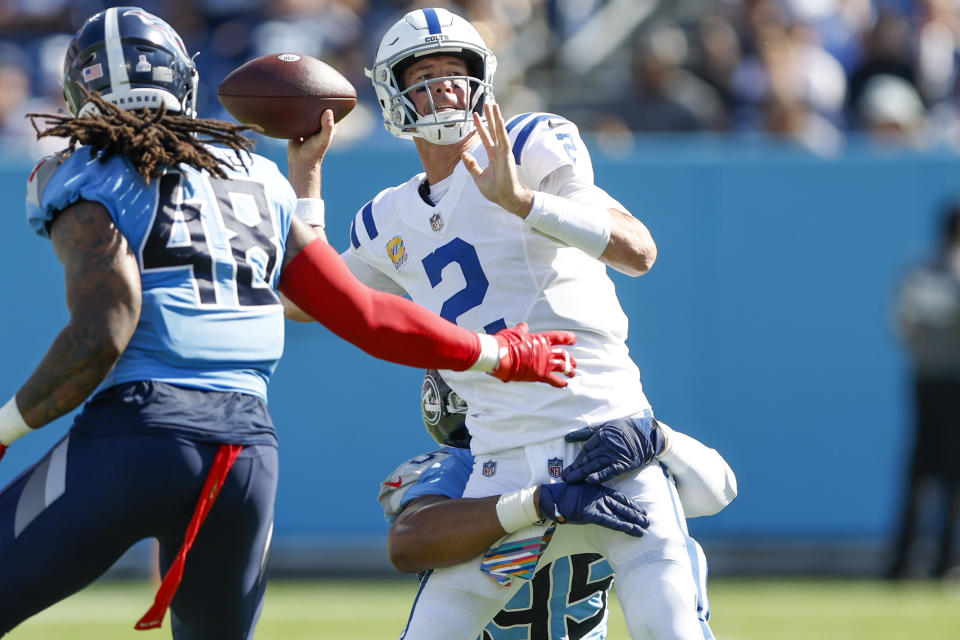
[663, 95]
[938, 58]
[17, 136]
[794, 68]
[718, 55]
[839, 24]
[891, 111]
[928, 312]
[888, 50]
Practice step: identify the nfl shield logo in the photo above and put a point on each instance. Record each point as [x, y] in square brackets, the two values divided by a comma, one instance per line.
[436, 222]
[489, 468]
[554, 467]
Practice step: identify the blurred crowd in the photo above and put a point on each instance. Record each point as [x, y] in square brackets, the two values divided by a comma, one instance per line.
[816, 73]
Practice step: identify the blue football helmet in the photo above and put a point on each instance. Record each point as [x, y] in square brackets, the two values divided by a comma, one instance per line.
[443, 411]
[134, 59]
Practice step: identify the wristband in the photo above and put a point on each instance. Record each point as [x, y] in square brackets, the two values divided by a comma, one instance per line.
[489, 358]
[586, 227]
[517, 509]
[12, 425]
[312, 211]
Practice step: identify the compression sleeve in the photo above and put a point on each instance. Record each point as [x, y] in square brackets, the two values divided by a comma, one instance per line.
[382, 324]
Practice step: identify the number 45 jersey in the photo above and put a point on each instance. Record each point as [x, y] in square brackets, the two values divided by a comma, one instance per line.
[483, 268]
[210, 252]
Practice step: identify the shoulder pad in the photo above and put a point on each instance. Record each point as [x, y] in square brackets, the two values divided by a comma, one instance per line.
[393, 489]
[521, 127]
[363, 219]
[40, 176]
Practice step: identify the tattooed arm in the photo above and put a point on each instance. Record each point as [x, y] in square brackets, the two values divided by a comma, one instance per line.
[103, 297]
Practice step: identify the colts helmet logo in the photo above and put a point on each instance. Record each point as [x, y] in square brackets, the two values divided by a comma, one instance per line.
[397, 252]
[489, 468]
[554, 467]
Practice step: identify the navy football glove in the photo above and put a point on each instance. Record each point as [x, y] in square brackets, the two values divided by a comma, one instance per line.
[592, 504]
[612, 448]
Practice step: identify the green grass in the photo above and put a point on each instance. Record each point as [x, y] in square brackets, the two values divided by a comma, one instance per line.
[743, 609]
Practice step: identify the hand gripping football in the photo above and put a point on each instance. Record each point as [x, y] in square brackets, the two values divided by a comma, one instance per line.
[286, 93]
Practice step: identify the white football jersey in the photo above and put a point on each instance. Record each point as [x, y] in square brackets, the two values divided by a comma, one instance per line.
[483, 268]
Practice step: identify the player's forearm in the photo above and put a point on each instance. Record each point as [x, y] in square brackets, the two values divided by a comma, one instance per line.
[386, 326]
[443, 533]
[630, 249]
[79, 359]
[622, 242]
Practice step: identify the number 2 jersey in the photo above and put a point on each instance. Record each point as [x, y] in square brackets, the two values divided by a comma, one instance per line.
[210, 252]
[483, 268]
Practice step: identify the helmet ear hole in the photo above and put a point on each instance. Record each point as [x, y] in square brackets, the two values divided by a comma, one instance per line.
[443, 411]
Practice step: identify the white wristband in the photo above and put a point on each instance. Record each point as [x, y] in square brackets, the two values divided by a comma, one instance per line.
[489, 358]
[517, 510]
[312, 211]
[12, 425]
[586, 227]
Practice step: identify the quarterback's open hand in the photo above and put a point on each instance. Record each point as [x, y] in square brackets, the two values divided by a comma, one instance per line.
[613, 448]
[592, 504]
[498, 181]
[533, 357]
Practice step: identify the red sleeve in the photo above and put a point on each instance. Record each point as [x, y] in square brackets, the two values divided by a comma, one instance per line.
[384, 325]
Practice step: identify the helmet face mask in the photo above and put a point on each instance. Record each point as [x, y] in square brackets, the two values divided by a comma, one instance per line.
[427, 32]
[133, 59]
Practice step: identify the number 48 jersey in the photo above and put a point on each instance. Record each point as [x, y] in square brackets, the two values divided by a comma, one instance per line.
[209, 251]
[484, 268]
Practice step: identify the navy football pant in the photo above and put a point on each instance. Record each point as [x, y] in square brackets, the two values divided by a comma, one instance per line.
[67, 519]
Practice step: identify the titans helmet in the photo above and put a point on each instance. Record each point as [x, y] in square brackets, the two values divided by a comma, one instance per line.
[426, 32]
[444, 412]
[134, 59]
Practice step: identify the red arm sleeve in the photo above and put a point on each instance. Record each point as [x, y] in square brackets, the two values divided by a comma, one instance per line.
[384, 325]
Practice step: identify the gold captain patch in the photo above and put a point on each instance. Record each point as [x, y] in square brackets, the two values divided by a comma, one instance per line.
[397, 252]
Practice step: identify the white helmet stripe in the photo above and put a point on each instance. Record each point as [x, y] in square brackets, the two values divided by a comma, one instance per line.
[115, 61]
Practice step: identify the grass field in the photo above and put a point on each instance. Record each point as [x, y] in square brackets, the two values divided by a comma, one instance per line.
[743, 609]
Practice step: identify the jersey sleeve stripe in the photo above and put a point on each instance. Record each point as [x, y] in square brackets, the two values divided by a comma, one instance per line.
[524, 134]
[368, 223]
[354, 240]
[515, 120]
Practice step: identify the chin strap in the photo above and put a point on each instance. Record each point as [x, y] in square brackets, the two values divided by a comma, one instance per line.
[226, 456]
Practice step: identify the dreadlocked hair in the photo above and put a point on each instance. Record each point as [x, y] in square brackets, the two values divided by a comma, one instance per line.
[149, 139]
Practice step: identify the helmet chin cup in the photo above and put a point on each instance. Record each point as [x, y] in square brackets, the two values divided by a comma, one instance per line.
[449, 127]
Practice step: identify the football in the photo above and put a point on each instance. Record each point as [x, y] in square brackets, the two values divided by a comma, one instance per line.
[286, 93]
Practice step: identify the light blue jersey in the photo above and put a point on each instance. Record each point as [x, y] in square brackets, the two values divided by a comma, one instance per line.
[565, 600]
[210, 252]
